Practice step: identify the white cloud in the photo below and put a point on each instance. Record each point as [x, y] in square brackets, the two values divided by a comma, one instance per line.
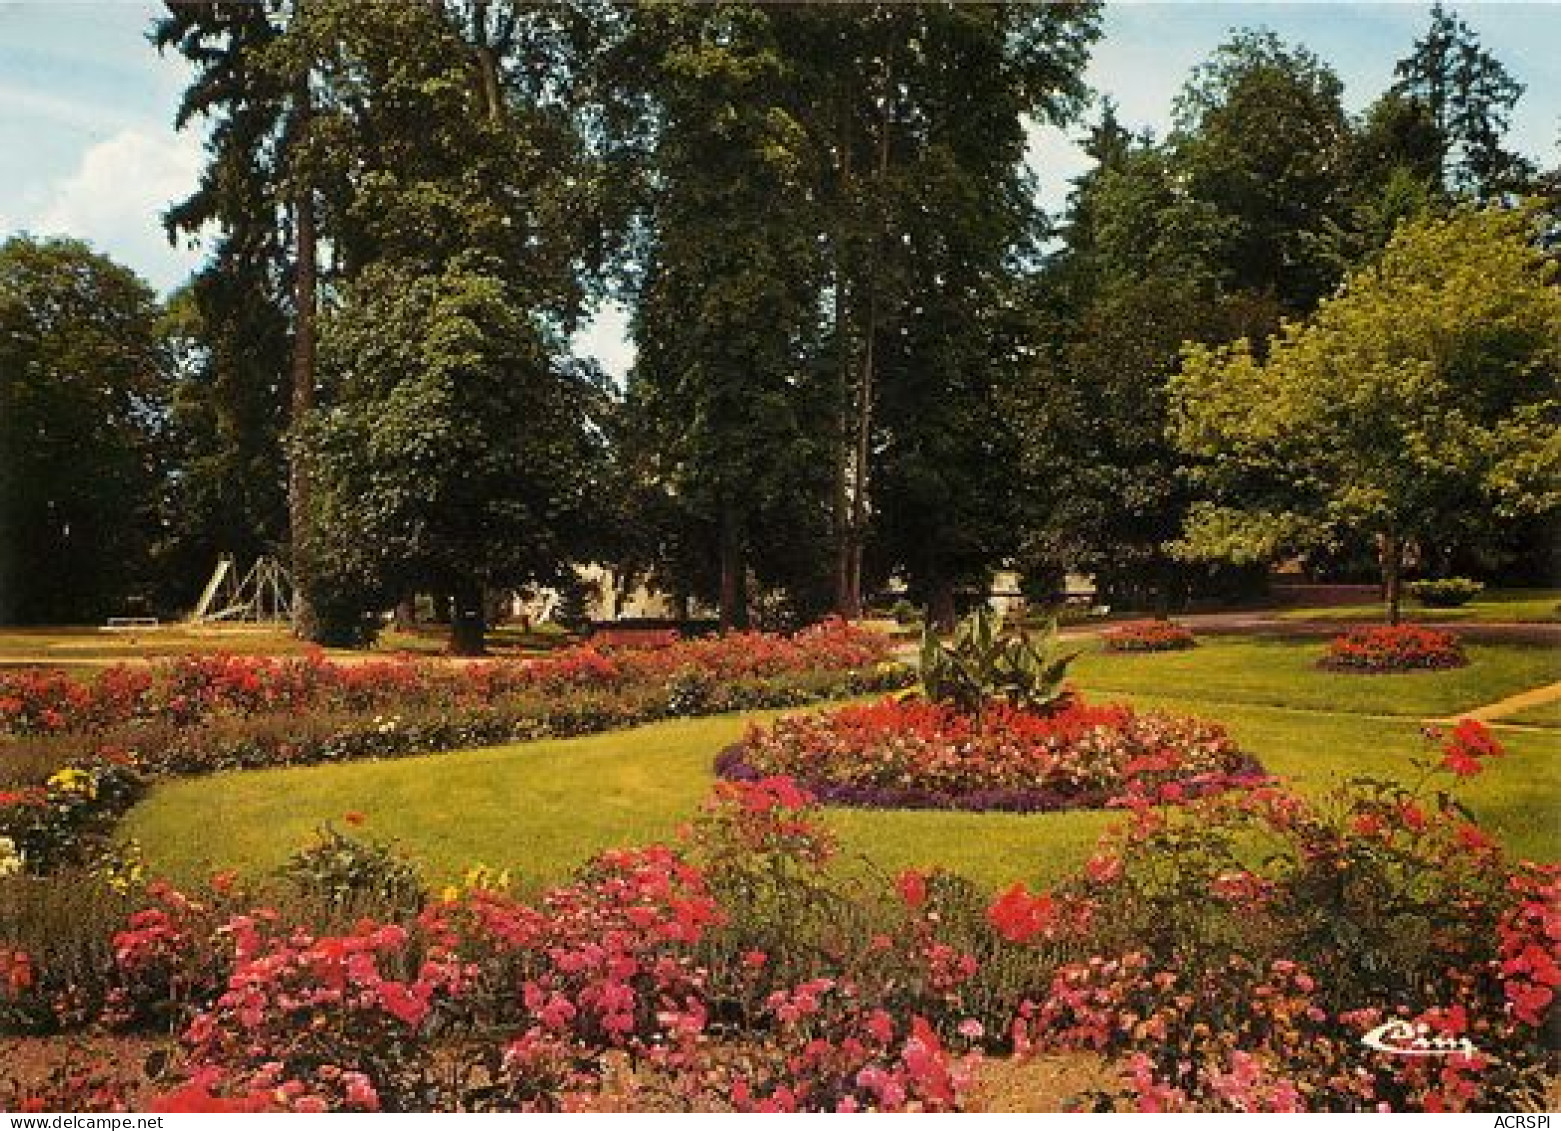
[115, 197]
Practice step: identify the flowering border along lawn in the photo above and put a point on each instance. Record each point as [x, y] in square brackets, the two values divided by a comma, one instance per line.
[79, 755]
[913, 754]
[727, 971]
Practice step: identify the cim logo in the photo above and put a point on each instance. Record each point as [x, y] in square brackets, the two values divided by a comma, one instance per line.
[1401, 1038]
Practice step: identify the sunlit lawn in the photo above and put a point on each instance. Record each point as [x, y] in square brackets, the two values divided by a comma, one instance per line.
[541, 808]
[1494, 605]
[86, 650]
[1284, 672]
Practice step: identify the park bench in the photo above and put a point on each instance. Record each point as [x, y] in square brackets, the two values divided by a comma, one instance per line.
[129, 624]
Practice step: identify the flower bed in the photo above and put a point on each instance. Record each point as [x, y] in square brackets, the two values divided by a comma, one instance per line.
[733, 971]
[1149, 636]
[915, 754]
[1226, 980]
[213, 713]
[195, 689]
[1393, 648]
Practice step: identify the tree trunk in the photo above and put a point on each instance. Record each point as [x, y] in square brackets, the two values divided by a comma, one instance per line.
[1392, 570]
[864, 399]
[845, 606]
[306, 622]
[734, 570]
[940, 605]
[487, 62]
[468, 621]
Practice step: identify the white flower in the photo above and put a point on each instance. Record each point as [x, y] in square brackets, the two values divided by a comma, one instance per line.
[11, 862]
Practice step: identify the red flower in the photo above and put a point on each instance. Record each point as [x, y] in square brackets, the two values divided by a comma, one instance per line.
[403, 1004]
[913, 888]
[1020, 916]
[354, 818]
[1470, 741]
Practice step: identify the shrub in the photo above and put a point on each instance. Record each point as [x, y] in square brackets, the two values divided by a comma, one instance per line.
[1149, 636]
[1393, 648]
[918, 754]
[983, 664]
[1445, 593]
[349, 875]
[1248, 944]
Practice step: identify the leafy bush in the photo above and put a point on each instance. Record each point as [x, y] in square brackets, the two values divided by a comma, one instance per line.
[1149, 636]
[349, 875]
[983, 664]
[1393, 648]
[1445, 593]
[1246, 945]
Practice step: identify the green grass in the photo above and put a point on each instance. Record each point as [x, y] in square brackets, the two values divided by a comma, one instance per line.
[541, 808]
[88, 649]
[1526, 606]
[1283, 672]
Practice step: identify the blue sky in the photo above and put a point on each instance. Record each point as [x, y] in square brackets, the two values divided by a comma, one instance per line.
[87, 145]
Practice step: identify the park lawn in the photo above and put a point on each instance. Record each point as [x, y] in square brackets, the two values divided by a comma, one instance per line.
[96, 648]
[1520, 606]
[1283, 672]
[541, 808]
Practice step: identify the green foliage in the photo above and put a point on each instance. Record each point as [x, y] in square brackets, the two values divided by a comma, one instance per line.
[1259, 130]
[83, 373]
[983, 663]
[343, 874]
[1418, 405]
[1446, 592]
[1468, 97]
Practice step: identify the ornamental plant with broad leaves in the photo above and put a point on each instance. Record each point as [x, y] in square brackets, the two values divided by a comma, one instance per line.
[984, 664]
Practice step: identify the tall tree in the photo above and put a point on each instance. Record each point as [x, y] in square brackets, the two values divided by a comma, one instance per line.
[1469, 96]
[1422, 398]
[455, 426]
[1259, 132]
[727, 315]
[255, 298]
[83, 374]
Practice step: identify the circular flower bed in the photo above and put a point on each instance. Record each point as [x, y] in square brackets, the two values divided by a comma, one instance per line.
[1149, 636]
[914, 754]
[1393, 648]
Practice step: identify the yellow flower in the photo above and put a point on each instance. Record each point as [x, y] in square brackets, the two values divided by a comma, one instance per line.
[73, 780]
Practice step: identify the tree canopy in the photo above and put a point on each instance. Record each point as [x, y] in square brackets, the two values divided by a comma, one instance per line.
[1425, 395]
